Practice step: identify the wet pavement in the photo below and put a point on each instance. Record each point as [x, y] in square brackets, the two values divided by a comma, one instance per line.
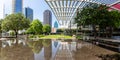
[20, 49]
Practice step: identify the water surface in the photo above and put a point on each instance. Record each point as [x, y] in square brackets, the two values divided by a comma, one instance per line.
[21, 49]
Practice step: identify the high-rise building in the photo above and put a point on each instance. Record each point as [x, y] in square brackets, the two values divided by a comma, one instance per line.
[17, 6]
[47, 17]
[28, 12]
[55, 24]
[2, 12]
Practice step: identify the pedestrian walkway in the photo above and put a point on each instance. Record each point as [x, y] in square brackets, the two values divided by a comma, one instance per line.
[106, 39]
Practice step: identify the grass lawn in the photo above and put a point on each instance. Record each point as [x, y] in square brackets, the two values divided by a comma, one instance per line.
[56, 37]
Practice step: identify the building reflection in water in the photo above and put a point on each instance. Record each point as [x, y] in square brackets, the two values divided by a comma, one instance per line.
[47, 49]
[80, 51]
[42, 49]
[72, 46]
[16, 51]
[36, 46]
[55, 44]
[65, 50]
[0, 48]
[87, 51]
[119, 48]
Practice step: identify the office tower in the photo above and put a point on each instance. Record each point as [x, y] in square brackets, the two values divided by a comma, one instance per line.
[2, 12]
[55, 24]
[48, 50]
[28, 12]
[17, 6]
[47, 17]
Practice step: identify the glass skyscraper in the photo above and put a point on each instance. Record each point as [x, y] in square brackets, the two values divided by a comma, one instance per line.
[47, 17]
[2, 12]
[55, 24]
[17, 6]
[28, 12]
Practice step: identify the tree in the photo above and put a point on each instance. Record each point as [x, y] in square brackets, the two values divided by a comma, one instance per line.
[99, 15]
[15, 22]
[88, 16]
[35, 27]
[115, 19]
[30, 30]
[111, 21]
[1, 27]
[46, 29]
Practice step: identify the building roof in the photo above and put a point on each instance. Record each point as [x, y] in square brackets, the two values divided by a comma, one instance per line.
[64, 10]
[115, 6]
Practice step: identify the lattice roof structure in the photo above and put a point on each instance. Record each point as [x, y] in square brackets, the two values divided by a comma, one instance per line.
[65, 9]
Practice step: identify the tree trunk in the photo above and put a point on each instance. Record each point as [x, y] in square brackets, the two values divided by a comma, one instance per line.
[16, 33]
[0, 34]
[110, 32]
[107, 28]
[94, 30]
[16, 42]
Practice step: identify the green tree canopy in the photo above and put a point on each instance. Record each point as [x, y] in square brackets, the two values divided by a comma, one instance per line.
[15, 22]
[89, 15]
[0, 25]
[46, 28]
[95, 14]
[115, 19]
[35, 27]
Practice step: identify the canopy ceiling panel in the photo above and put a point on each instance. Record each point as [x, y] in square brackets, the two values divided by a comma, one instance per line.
[65, 9]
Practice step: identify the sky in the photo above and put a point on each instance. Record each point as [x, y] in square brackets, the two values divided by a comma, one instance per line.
[38, 6]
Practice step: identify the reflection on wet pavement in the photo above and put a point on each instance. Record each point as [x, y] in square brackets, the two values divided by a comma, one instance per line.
[51, 50]
[0, 49]
[63, 52]
[16, 51]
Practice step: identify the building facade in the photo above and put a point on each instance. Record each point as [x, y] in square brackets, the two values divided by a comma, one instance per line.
[17, 6]
[2, 12]
[115, 6]
[55, 24]
[28, 12]
[47, 18]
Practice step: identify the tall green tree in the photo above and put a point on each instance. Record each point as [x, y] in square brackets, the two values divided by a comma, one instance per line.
[35, 27]
[95, 14]
[1, 27]
[111, 20]
[88, 16]
[15, 22]
[115, 19]
[46, 29]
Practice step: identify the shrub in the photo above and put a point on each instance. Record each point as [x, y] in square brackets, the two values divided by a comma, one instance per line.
[12, 33]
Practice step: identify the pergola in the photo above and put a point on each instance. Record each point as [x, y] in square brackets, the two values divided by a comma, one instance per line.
[64, 10]
[115, 2]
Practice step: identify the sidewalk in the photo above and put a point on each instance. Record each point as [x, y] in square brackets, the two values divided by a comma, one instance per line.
[106, 39]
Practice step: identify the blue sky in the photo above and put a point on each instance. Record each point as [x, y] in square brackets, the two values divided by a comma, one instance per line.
[38, 6]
